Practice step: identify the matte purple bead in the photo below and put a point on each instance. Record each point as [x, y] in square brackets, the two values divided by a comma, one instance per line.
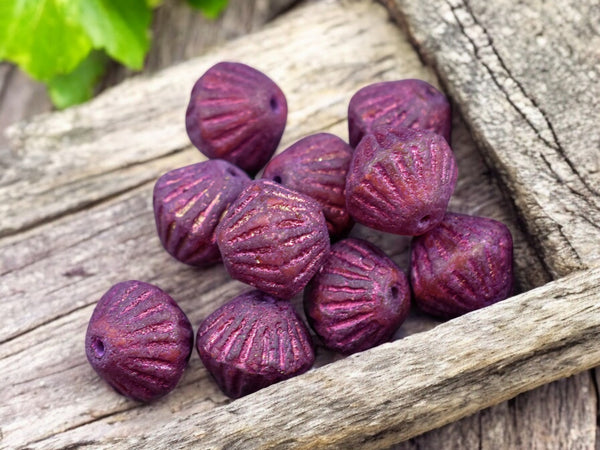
[273, 238]
[138, 340]
[238, 114]
[358, 299]
[398, 104]
[463, 264]
[317, 166]
[252, 342]
[188, 204]
[401, 180]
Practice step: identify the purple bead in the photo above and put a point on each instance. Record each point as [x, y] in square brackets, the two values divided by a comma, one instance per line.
[398, 104]
[273, 238]
[188, 204]
[358, 299]
[463, 264]
[317, 166]
[238, 114]
[252, 342]
[138, 340]
[401, 180]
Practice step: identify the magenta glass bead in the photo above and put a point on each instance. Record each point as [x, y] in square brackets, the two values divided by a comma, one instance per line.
[358, 299]
[317, 166]
[238, 114]
[273, 238]
[138, 340]
[398, 104]
[463, 264]
[188, 204]
[401, 180]
[252, 342]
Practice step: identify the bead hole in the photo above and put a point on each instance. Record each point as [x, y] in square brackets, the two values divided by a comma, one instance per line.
[277, 179]
[424, 220]
[394, 291]
[232, 172]
[98, 347]
[274, 104]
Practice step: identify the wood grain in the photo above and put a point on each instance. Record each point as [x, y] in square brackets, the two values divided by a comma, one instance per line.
[525, 76]
[59, 268]
[398, 390]
[56, 271]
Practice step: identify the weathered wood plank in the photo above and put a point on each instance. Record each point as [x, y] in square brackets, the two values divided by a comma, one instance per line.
[526, 81]
[56, 272]
[400, 389]
[557, 415]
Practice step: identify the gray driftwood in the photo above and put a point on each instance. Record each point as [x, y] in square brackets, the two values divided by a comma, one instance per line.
[526, 76]
[71, 253]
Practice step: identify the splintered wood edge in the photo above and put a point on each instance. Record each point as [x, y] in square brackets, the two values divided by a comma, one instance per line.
[404, 388]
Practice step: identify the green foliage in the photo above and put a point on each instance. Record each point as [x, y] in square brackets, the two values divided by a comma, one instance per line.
[44, 37]
[119, 27]
[64, 43]
[78, 86]
[210, 8]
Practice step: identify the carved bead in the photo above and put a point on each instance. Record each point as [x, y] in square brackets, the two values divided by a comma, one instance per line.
[317, 166]
[273, 238]
[398, 104]
[138, 340]
[238, 114]
[358, 299]
[188, 204]
[252, 342]
[401, 180]
[463, 264]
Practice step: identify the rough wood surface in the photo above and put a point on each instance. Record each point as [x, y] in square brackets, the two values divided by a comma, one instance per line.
[400, 389]
[57, 270]
[526, 76]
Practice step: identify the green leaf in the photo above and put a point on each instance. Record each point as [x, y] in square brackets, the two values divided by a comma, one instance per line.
[118, 26]
[210, 8]
[78, 86]
[153, 3]
[42, 37]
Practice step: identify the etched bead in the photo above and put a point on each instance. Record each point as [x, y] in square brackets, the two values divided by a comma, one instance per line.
[253, 341]
[188, 204]
[138, 340]
[273, 238]
[358, 299]
[400, 180]
[398, 104]
[317, 166]
[463, 264]
[238, 114]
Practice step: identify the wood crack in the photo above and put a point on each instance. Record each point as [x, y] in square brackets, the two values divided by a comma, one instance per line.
[555, 145]
[47, 321]
[70, 211]
[84, 423]
[62, 370]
